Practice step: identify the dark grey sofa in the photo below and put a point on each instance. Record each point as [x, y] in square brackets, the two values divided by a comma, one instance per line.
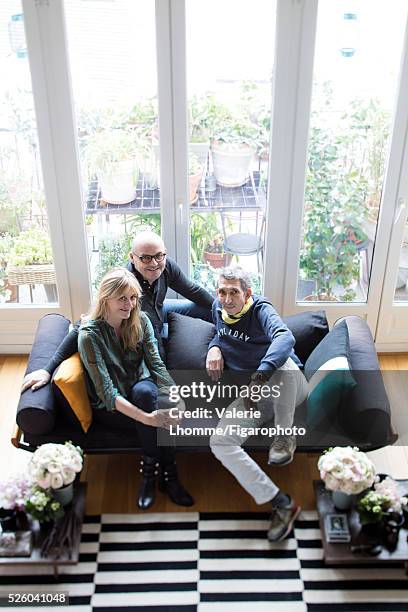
[363, 418]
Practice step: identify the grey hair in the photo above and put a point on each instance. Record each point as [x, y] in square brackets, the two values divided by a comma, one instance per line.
[237, 273]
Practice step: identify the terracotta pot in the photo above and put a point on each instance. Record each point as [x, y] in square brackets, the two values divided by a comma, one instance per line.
[194, 181]
[217, 260]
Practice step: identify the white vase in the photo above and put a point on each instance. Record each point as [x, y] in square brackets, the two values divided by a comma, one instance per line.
[342, 501]
[64, 495]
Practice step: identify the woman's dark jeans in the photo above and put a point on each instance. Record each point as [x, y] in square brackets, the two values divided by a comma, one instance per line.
[143, 395]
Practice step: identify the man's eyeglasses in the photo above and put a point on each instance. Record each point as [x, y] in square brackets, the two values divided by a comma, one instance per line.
[148, 258]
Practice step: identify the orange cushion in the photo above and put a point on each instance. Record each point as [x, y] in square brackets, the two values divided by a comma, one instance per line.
[70, 379]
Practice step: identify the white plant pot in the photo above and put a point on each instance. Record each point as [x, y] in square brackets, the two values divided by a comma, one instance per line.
[118, 187]
[231, 163]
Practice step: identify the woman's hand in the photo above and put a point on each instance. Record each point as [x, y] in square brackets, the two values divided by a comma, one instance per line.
[35, 380]
[158, 418]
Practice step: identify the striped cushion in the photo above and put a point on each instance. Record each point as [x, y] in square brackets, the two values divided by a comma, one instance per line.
[328, 373]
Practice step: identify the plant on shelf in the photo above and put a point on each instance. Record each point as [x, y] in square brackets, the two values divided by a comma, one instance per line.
[234, 139]
[30, 247]
[111, 155]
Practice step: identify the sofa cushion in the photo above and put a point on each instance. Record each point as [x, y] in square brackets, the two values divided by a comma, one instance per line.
[367, 410]
[308, 328]
[73, 399]
[328, 373]
[36, 410]
[188, 342]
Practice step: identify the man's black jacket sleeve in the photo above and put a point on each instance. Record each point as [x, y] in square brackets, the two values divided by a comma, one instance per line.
[68, 347]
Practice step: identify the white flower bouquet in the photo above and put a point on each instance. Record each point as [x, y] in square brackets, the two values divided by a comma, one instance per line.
[346, 469]
[55, 465]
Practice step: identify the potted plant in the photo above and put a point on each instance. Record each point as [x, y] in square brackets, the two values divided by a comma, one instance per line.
[42, 506]
[30, 261]
[233, 146]
[379, 502]
[214, 254]
[111, 155]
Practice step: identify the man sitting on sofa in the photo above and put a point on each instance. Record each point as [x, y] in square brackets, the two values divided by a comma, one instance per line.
[156, 272]
[251, 337]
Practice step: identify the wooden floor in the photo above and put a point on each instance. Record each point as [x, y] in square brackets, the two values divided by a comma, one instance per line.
[113, 479]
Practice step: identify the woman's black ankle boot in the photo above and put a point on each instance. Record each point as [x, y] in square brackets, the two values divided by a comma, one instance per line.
[170, 484]
[147, 492]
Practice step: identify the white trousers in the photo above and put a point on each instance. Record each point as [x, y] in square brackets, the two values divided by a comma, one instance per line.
[227, 448]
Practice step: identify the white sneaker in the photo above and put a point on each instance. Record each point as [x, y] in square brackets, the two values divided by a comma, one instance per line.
[281, 450]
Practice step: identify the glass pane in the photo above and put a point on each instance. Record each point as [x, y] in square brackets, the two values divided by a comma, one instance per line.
[112, 50]
[357, 58]
[27, 274]
[229, 101]
[401, 286]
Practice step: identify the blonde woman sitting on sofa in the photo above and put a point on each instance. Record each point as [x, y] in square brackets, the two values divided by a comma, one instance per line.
[126, 376]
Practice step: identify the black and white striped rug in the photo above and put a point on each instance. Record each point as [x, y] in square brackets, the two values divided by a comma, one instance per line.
[215, 562]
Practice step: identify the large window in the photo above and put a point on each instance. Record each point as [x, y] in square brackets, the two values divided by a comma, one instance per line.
[357, 59]
[27, 274]
[229, 80]
[113, 64]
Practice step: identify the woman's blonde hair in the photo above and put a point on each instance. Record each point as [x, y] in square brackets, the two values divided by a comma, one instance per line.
[113, 285]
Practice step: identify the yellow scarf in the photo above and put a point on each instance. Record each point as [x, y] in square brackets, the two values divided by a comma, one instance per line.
[231, 319]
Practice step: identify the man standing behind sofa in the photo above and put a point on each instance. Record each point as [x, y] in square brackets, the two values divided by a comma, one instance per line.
[251, 337]
[156, 272]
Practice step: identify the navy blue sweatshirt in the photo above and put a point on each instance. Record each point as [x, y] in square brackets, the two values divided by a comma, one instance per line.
[259, 341]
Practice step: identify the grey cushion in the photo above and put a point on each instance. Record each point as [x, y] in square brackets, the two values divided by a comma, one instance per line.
[188, 342]
[308, 328]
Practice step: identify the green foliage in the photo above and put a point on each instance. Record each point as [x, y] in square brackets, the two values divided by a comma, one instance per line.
[33, 246]
[42, 506]
[113, 252]
[139, 222]
[372, 507]
[105, 149]
[203, 229]
[343, 182]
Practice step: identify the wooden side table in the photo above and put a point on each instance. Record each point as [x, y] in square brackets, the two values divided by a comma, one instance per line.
[68, 557]
[340, 553]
